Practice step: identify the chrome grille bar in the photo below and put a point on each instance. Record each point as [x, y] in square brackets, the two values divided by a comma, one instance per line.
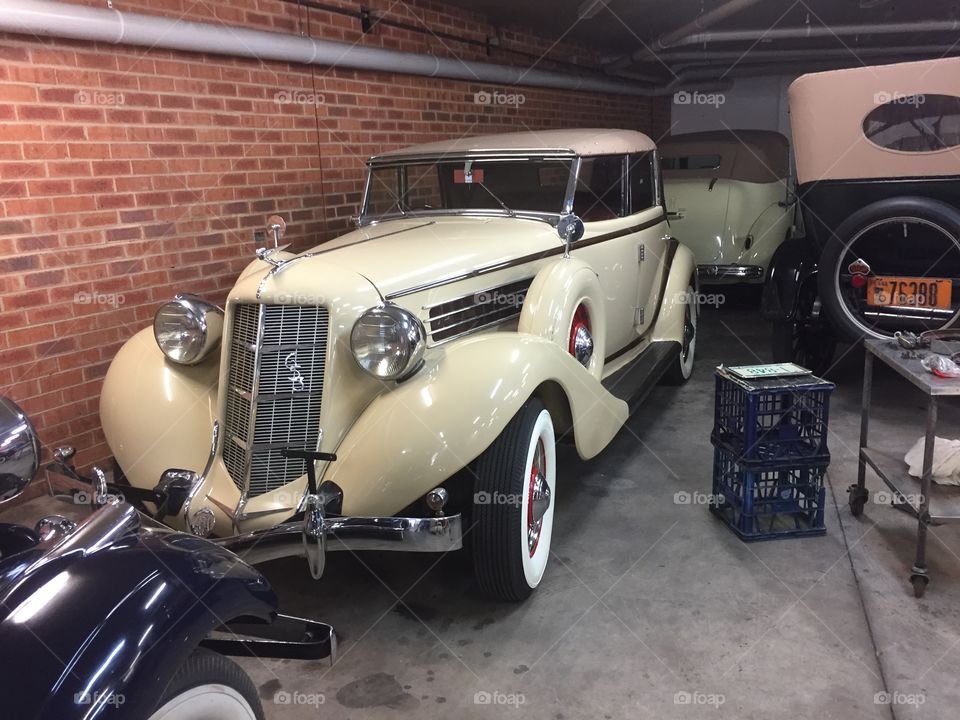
[277, 361]
[460, 316]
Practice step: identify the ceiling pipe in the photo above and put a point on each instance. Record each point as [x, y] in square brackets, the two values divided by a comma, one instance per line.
[48, 18]
[819, 31]
[801, 54]
[702, 22]
[794, 33]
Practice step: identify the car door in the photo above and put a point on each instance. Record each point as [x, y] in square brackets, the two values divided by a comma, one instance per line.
[645, 191]
[611, 243]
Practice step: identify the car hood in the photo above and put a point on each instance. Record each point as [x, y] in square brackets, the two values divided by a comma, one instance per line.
[400, 255]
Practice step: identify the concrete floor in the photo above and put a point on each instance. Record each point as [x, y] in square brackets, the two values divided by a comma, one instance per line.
[648, 603]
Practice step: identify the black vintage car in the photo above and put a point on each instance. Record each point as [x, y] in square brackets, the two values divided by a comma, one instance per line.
[117, 616]
[878, 164]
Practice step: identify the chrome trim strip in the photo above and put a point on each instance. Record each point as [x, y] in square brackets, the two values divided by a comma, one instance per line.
[403, 534]
[202, 477]
[491, 154]
[523, 260]
[464, 333]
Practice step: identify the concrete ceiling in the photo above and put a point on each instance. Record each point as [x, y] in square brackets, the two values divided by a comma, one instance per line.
[624, 26]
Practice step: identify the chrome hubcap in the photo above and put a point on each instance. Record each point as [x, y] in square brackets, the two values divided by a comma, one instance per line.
[582, 345]
[538, 497]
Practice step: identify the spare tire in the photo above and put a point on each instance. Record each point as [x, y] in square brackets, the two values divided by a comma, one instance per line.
[914, 240]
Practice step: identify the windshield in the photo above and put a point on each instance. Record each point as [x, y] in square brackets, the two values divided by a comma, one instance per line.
[508, 186]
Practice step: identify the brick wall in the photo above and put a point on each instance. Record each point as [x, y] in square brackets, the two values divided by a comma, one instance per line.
[127, 174]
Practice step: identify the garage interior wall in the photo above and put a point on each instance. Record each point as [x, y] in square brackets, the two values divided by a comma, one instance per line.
[127, 175]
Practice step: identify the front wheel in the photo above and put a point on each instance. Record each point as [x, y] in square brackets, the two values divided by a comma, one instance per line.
[209, 686]
[514, 495]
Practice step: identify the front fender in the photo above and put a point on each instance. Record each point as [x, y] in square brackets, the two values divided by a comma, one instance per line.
[416, 436]
[112, 625]
[792, 265]
[171, 406]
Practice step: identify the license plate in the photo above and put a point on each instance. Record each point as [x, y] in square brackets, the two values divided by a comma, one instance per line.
[909, 292]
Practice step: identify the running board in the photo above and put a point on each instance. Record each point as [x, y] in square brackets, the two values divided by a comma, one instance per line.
[634, 381]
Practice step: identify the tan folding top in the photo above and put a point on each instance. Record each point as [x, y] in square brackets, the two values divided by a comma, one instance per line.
[827, 111]
[759, 156]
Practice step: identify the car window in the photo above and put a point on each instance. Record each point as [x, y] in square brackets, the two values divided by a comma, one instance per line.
[692, 162]
[599, 194]
[915, 123]
[642, 191]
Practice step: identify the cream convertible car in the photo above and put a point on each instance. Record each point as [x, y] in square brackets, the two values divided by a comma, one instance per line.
[405, 384]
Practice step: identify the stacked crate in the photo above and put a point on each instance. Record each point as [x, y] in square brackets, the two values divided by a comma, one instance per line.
[770, 454]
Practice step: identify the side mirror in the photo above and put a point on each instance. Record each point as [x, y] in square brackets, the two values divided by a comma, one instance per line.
[277, 226]
[570, 229]
[19, 450]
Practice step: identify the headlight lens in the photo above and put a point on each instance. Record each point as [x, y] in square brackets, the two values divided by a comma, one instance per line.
[388, 342]
[187, 329]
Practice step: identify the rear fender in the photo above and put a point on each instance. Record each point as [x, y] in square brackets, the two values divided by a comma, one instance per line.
[680, 271]
[793, 264]
[422, 432]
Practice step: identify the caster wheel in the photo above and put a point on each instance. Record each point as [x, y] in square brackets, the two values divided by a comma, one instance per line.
[920, 583]
[858, 499]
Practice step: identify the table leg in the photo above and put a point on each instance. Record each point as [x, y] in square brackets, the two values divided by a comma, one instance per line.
[918, 575]
[858, 493]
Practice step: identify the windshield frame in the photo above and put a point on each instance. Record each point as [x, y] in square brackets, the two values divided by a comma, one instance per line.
[396, 161]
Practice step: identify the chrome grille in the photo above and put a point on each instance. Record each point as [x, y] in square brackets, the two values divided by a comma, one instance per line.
[476, 311]
[277, 357]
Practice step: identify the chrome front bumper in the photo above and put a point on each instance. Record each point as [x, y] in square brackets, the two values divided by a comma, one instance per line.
[306, 538]
[730, 272]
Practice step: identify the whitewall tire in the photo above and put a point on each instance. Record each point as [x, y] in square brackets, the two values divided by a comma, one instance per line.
[209, 686]
[514, 500]
[682, 369]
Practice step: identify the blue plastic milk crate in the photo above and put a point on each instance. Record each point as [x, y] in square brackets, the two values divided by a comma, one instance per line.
[766, 501]
[772, 420]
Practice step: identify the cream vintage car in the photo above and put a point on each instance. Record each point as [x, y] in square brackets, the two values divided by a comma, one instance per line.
[729, 199]
[405, 385]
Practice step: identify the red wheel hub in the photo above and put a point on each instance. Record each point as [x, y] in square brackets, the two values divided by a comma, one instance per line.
[581, 337]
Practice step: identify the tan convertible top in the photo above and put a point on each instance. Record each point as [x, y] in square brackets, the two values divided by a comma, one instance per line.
[828, 109]
[585, 142]
[759, 156]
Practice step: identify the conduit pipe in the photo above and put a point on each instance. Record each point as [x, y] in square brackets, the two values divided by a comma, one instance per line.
[48, 18]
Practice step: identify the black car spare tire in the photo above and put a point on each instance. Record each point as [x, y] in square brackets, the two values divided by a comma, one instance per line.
[906, 237]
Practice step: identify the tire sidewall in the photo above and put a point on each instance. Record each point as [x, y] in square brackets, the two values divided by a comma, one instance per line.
[921, 208]
[534, 567]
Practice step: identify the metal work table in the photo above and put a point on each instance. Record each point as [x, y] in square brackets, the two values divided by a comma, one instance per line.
[891, 467]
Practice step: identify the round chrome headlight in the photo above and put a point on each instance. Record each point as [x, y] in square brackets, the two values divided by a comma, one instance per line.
[388, 342]
[187, 328]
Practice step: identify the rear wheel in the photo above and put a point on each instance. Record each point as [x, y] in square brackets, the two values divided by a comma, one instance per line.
[681, 370]
[209, 686]
[513, 505]
[877, 271]
[805, 339]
